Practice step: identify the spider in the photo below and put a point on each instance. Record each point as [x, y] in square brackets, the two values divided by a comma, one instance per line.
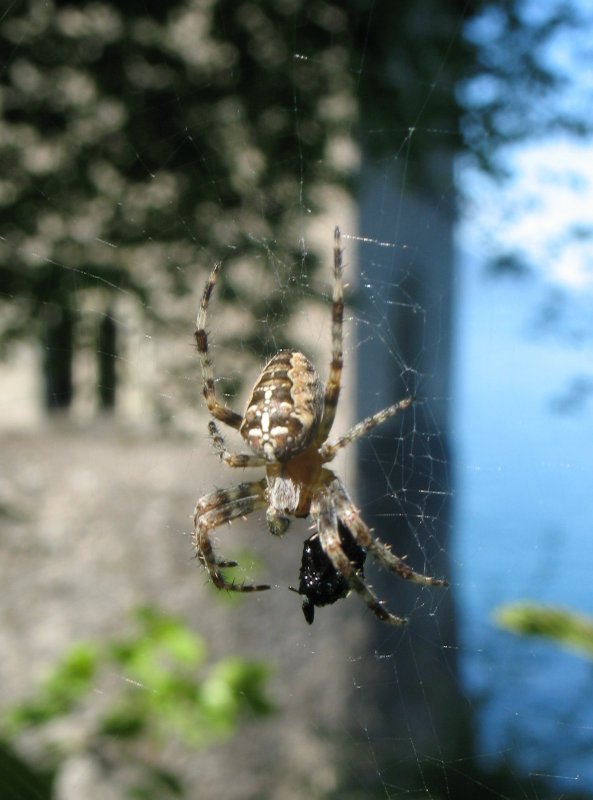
[286, 426]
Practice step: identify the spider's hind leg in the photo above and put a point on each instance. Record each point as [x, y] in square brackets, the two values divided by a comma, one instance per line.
[334, 380]
[329, 450]
[236, 460]
[216, 408]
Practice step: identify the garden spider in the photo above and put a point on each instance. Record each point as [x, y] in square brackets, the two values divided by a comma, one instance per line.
[286, 426]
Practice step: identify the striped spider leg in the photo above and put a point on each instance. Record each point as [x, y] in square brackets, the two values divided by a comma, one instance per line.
[214, 510]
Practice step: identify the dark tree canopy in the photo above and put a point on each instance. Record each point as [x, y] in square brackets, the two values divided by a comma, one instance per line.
[137, 139]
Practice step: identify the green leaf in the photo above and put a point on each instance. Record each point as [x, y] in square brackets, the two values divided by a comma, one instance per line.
[562, 626]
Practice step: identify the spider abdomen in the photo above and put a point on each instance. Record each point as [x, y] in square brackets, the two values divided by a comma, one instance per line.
[285, 408]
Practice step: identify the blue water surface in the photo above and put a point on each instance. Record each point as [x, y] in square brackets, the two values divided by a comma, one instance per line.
[523, 528]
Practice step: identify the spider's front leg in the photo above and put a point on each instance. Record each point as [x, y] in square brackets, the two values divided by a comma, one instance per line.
[349, 516]
[213, 510]
[324, 513]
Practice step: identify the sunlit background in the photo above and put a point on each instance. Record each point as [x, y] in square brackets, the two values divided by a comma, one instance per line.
[139, 145]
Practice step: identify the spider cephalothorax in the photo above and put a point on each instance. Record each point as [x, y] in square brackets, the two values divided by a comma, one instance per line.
[286, 426]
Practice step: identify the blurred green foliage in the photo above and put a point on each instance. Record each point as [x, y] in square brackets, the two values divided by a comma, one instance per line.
[164, 692]
[559, 625]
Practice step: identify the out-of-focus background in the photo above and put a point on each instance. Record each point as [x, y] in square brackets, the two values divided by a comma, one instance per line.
[140, 143]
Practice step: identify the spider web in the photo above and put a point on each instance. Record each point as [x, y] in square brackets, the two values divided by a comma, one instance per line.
[482, 480]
